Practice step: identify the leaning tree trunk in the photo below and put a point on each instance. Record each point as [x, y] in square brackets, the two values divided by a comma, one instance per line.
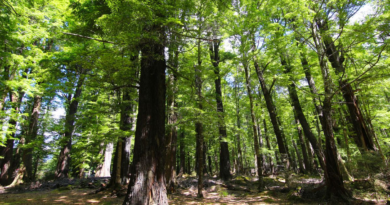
[64, 157]
[271, 110]
[147, 185]
[301, 119]
[361, 132]
[224, 161]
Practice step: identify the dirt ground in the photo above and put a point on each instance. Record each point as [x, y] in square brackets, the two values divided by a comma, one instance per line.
[240, 190]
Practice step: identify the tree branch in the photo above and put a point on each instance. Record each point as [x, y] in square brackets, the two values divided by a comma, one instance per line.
[87, 37]
[272, 85]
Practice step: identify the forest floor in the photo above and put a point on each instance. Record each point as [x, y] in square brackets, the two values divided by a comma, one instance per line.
[304, 189]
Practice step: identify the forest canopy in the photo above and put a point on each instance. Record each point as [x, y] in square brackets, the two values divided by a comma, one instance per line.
[148, 91]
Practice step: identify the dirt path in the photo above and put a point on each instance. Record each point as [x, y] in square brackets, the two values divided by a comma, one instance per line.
[240, 190]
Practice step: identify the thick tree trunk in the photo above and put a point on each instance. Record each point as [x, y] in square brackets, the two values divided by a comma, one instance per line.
[64, 157]
[224, 161]
[259, 160]
[335, 182]
[147, 185]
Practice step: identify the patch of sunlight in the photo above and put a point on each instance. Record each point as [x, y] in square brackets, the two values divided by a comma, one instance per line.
[93, 201]
[84, 193]
[63, 197]
[30, 199]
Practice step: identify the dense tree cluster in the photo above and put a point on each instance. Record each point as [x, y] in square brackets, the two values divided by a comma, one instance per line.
[152, 90]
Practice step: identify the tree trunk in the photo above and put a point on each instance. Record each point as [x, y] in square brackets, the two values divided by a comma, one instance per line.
[147, 185]
[188, 163]
[105, 168]
[32, 133]
[270, 161]
[182, 154]
[224, 161]
[335, 182]
[198, 124]
[361, 134]
[301, 166]
[255, 138]
[126, 124]
[64, 157]
[271, 110]
[6, 164]
[306, 161]
[239, 151]
[171, 136]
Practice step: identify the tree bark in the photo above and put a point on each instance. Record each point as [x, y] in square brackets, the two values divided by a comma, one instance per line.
[147, 185]
[271, 110]
[32, 133]
[105, 168]
[301, 166]
[64, 157]
[7, 164]
[198, 124]
[361, 132]
[270, 161]
[171, 137]
[239, 151]
[183, 168]
[259, 160]
[224, 161]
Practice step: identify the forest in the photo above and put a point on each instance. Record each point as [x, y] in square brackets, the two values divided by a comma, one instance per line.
[194, 101]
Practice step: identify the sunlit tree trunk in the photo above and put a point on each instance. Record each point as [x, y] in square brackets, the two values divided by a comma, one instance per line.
[104, 171]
